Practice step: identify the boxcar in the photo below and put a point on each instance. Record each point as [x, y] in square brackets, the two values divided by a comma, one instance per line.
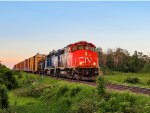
[30, 64]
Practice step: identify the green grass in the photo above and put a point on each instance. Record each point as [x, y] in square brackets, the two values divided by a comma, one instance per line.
[67, 97]
[27, 104]
[119, 78]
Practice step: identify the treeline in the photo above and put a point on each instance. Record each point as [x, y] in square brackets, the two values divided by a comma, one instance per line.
[121, 60]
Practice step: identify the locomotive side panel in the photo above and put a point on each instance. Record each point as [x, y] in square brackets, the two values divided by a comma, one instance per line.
[48, 61]
[62, 60]
[65, 60]
[53, 61]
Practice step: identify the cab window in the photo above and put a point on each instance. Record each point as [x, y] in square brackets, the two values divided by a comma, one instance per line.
[93, 49]
[74, 48]
[80, 47]
[87, 47]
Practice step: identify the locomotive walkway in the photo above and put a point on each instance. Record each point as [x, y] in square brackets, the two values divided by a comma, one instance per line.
[112, 86]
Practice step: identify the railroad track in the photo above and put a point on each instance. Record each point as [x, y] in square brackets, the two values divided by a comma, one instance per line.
[112, 86]
[129, 88]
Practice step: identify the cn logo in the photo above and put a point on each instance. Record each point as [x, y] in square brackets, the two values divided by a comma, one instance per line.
[85, 59]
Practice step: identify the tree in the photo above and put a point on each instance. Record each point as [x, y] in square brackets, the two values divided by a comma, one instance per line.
[101, 86]
[3, 97]
[101, 58]
[110, 59]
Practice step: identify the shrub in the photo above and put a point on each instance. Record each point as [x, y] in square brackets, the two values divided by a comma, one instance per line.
[28, 80]
[124, 103]
[66, 102]
[101, 86]
[3, 68]
[101, 105]
[134, 80]
[8, 110]
[126, 108]
[112, 105]
[8, 79]
[146, 68]
[74, 91]
[62, 90]
[146, 108]
[3, 97]
[37, 89]
[21, 92]
[63, 105]
[84, 106]
[47, 94]
[18, 74]
[148, 82]
[128, 97]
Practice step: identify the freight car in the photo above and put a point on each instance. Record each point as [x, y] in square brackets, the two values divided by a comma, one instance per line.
[30, 64]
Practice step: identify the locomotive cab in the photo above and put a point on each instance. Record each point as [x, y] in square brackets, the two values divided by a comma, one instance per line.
[84, 60]
[84, 55]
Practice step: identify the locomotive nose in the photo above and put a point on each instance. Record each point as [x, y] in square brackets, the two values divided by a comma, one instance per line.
[87, 59]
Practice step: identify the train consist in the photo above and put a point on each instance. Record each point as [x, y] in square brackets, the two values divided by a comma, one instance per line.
[76, 61]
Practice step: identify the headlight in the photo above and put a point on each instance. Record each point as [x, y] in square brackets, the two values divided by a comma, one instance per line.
[86, 53]
[94, 63]
[80, 63]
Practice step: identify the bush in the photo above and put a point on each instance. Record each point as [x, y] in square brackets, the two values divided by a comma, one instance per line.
[84, 106]
[101, 86]
[21, 92]
[18, 74]
[128, 97]
[28, 80]
[3, 68]
[62, 90]
[125, 107]
[8, 110]
[47, 94]
[3, 97]
[134, 80]
[74, 91]
[36, 89]
[8, 79]
[66, 102]
[148, 82]
[125, 103]
[146, 68]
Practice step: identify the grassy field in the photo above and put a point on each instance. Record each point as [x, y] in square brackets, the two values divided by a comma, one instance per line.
[48, 95]
[119, 78]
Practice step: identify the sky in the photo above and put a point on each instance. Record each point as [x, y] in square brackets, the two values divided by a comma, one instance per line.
[27, 28]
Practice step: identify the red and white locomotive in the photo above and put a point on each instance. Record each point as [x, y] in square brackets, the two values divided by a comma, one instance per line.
[77, 61]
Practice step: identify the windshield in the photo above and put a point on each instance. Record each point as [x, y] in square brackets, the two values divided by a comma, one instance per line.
[74, 48]
[81, 47]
